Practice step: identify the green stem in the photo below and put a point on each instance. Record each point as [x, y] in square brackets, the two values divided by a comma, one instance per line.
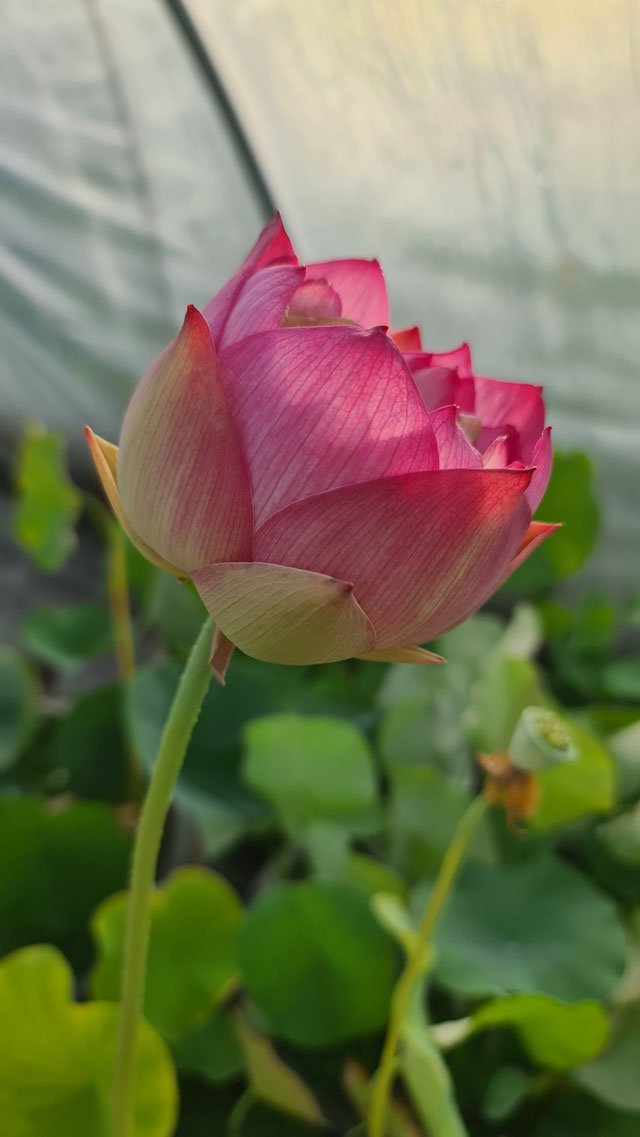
[415, 962]
[175, 738]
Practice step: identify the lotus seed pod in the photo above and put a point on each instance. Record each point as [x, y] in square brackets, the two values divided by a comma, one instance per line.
[540, 740]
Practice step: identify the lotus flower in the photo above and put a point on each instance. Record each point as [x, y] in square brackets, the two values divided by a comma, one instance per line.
[332, 490]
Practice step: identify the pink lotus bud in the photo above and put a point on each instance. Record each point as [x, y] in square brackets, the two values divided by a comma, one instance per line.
[332, 490]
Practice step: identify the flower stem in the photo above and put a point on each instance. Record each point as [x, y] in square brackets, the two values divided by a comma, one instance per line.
[415, 962]
[175, 738]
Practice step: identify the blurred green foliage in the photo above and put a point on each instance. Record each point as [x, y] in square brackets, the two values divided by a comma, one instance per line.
[67, 638]
[19, 697]
[316, 962]
[570, 500]
[193, 924]
[47, 503]
[557, 1035]
[55, 1056]
[310, 819]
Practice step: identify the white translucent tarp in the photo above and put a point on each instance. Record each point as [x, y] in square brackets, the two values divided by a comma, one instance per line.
[122, 200]
[488, 151]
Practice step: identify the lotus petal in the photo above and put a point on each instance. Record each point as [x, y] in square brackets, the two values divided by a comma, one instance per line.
[262, 303]
[499, 446]
[407, 339]
[444, 377]
[542, 460]
[422, 549]
[537, 532]
[437, 386]
[519, 404]
[105, 457]
[272, 247]
[459, 359]
[322, 407]
[181, 473]
[285, 615]
[316, 299]
[361, 288]
[455, 451]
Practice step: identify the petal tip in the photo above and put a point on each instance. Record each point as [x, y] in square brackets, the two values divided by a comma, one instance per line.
[409, 654]
[343, 587]
[221, 651]
[194, 320]
[91, 437]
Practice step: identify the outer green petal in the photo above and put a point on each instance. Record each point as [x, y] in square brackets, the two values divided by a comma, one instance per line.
[181, 471]
[285, 615]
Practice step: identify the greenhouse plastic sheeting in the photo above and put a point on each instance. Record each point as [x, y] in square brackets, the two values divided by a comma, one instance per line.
[485, 150]
[122, 200]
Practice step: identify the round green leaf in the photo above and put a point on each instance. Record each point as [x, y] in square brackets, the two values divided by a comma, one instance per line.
[191, 949]
[312, 769]
[522, 928]
[555, 1034]
[18, 706]
[57, 1057]
[316, 962]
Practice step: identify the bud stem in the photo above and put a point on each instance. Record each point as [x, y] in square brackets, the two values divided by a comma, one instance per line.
[415, 962]
[182, 718]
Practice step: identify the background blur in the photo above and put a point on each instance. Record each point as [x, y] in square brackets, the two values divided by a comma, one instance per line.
[485, 150]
